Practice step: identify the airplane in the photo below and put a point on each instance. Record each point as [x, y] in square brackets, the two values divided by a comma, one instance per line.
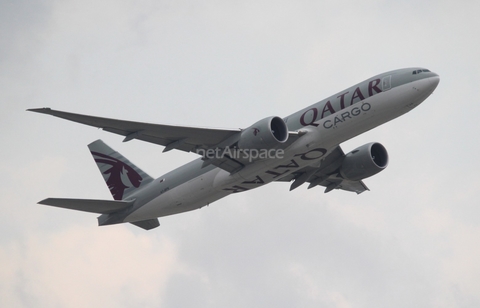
[303, 147]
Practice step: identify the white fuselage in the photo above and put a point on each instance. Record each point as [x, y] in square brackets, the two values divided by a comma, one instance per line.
[321, 135]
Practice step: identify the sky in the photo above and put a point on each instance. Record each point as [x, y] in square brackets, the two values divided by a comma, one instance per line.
[412, 241]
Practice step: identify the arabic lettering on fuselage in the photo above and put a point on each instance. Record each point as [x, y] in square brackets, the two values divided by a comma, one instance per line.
[278, 171]
[310, 116]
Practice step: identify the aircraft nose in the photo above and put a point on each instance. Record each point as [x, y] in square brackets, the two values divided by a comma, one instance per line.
[434, 80]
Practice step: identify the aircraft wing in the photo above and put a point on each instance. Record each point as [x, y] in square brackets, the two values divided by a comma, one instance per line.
[182, 138]
[326, 175]
[188, 139]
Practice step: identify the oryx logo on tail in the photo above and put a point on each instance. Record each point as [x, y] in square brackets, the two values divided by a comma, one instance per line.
[117, 175]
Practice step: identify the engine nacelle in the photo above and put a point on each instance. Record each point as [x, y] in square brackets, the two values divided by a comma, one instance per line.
[365, 161]
[265, 134]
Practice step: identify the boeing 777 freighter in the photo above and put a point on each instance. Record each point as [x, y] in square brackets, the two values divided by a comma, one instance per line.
[300, 148]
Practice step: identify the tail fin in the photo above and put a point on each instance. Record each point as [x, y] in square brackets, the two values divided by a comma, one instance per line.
[122, 177]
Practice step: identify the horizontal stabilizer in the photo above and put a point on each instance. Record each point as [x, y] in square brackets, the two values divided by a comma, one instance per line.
[147, 224]
[88, 205]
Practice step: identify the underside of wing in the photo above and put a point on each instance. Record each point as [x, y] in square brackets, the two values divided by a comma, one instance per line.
[172, 137]
[327, 175]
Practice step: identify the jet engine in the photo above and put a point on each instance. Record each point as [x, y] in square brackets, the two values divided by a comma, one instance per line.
[267, 133]
[364, 161]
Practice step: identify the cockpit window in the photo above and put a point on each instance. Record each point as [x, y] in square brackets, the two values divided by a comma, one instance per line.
[419, 71]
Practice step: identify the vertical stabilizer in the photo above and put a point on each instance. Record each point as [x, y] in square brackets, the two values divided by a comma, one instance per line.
[122, 177]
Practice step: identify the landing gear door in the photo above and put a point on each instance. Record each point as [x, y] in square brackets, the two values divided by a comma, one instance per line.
[386, 85]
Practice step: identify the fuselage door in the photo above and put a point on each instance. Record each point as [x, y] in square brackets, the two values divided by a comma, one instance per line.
[386, 85]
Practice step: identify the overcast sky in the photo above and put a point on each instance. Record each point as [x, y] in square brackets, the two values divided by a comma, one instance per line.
[412, 241]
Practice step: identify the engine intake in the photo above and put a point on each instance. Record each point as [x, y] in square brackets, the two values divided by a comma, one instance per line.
[267, 133]
[364, 161]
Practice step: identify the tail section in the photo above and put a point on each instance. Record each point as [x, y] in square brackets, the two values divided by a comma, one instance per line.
[122, 177]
